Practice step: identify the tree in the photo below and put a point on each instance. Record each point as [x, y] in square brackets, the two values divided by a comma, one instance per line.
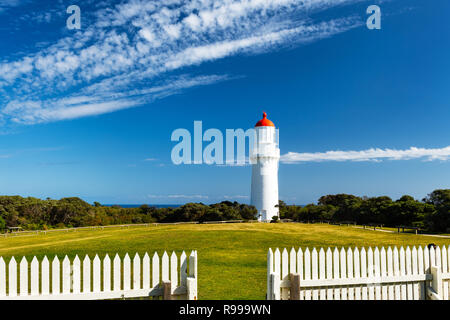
[2, 224]
[440, 219]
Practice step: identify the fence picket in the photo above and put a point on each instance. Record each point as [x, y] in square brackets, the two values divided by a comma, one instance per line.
[329, 259]
[377, 273]
[343, 260]
[432, 257]
[421, 270]
[314, 272]
[23, 278]
[365, 294]
[66, 275]
[409, 287]
[438, 257]
[165, 267]
[384, 288]
[86, 274]
[136, 271]
[357, 272]
[193, 264]
[277, 263]
[45, 276]
[173, 271]
[444, 269]
[307, 264]
[300, 271]
[12, 277]
[292, 261]
[55, 276]
[426, 259]
[277, 267]
[323, 292]
[370, 273]
[284, 273]
[34, 277]
[146, 271]
[126, 272]
[2, 277]
[106, 273]
[76, 275]
[396, 273]
[155, 270]
[351, 290]
[448, 271]
[390, 273]
[116, 273]
[269, 292]
[402, 271]
[337, 291]
[96, 279]
[183, 268]
[415, 271]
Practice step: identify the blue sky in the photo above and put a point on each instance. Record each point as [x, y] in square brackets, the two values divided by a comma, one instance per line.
[90, 112]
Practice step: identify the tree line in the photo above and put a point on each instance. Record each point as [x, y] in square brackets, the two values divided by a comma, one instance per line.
[431, 213]
[37, 214]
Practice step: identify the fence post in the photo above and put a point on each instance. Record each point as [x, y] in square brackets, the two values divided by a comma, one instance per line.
[436, 283]
[295, 286]
[191, 285]
[269, 272]
[167, 290]
[276, 289]
[191, 282]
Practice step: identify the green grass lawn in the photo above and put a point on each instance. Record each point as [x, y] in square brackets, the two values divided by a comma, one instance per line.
[232, 257]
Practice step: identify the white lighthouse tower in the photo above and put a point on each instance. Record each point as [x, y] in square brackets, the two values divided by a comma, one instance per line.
[264, 158]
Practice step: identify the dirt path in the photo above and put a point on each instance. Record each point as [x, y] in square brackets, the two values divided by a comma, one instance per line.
[390, 231]
[45, 244]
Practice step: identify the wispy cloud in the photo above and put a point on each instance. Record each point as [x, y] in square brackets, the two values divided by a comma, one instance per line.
[115, 62]
[177, 196]
[236, 197]
[373, 154]
[4, 4]
[99, 100]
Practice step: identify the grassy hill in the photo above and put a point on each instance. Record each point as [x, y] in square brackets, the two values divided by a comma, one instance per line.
[232, 257]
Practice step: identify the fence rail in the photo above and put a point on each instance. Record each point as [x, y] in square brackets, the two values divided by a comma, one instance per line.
[168, 277]
[375, 274]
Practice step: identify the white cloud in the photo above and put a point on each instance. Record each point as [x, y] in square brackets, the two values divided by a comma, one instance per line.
[124, 49]
[103, 100]
[373, 154]
[236, 197]
[177, 196]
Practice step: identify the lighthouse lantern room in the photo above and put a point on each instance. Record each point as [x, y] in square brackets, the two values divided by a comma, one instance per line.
[264, 158]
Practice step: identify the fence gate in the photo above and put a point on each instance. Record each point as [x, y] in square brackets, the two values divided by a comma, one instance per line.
[392, 274]
[168, 277]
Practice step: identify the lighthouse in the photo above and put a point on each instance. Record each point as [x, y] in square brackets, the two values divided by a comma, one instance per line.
[264, 158]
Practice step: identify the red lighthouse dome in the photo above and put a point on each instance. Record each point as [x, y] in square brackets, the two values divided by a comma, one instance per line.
[264, 122]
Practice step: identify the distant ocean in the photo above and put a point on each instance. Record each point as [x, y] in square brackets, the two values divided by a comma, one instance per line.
[138, 205]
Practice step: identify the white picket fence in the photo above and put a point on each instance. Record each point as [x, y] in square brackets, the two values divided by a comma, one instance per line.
[169, 277]
[375, 274]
